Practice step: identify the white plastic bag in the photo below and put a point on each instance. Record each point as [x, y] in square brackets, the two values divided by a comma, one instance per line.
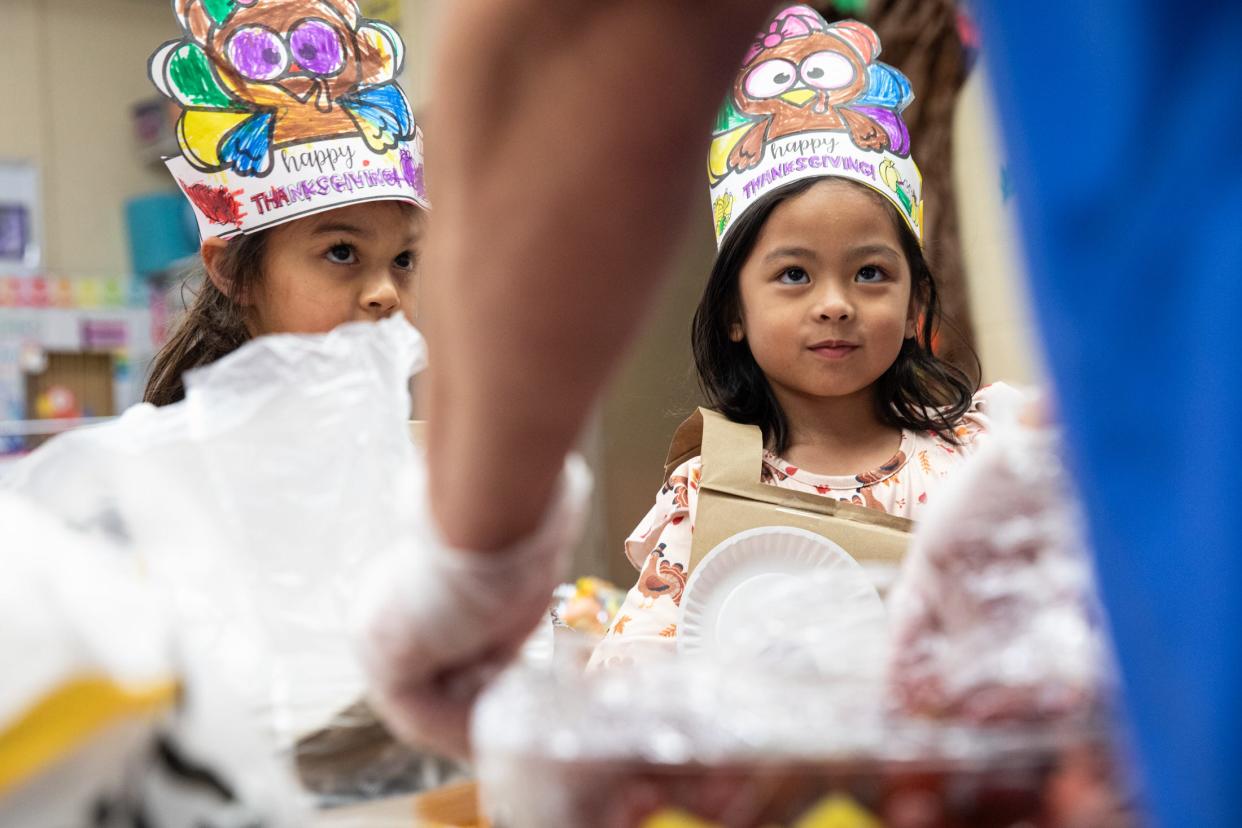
[100, 720]
[253, 507]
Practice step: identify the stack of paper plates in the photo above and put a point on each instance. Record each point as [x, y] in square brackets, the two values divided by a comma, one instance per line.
[786, 598]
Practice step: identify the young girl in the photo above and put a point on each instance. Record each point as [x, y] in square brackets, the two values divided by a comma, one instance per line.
[303, 163]
[817, 320]
[307, 276]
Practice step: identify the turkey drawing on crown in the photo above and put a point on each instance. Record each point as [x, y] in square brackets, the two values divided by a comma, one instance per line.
[255, 75]
[805, 75]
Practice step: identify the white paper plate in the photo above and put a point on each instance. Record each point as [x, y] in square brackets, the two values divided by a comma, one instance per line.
[788, 598]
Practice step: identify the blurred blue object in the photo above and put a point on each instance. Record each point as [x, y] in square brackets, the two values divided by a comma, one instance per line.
[1123, 120]
[161, 231]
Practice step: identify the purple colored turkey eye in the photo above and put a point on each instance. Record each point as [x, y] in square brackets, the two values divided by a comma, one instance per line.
[258, 53]
[317, 47]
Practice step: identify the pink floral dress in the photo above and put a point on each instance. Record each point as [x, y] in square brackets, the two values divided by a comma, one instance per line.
[659, 547]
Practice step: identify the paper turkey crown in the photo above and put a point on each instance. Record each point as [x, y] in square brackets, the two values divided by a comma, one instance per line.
[288, 108]
[811, 100]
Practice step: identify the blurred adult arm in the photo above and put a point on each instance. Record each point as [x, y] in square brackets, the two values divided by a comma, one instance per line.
[567, 156]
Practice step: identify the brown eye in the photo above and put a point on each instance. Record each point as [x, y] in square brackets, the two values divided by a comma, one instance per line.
[794, 276]
[342, 254]
[404, 261]
[869, 275]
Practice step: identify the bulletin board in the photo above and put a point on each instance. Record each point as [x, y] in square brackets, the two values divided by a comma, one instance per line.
[21, 217]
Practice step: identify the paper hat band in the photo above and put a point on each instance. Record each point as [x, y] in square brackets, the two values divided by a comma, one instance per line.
[288, 108]
[810, 101]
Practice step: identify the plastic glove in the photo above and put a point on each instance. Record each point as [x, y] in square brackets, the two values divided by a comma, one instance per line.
[996, 620]
[437, 623]
[995, 615]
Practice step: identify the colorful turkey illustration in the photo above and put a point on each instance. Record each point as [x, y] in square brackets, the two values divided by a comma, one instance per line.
[660, 577]
[255, 75]
[805, 75]
[903, 189]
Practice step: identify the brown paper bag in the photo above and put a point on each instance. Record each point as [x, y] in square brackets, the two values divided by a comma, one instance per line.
[732, 498]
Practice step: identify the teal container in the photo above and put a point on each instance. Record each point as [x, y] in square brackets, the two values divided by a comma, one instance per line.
[161, 231]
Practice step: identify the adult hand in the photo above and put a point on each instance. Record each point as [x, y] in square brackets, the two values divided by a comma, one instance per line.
[437, 622]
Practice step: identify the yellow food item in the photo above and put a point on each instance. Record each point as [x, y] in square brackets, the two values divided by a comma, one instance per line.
[838, 811]
[673, 818]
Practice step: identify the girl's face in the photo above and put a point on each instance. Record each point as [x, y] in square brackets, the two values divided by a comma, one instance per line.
[355, 263]
[826, 293]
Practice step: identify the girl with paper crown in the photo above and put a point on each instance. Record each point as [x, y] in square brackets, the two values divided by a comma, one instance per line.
[303, 164]
[817, 320]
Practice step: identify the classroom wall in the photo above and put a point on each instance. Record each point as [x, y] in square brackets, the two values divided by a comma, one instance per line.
[988, 210]
[69, 69]
[420, 21]
[655, 389]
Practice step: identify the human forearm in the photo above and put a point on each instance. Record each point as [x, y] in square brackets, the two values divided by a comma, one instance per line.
[557, 124]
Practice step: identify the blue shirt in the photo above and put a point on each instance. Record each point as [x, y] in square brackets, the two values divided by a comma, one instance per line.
[1123, 120]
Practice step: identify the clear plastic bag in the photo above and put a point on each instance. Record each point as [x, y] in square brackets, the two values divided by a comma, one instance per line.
[101, 718]
[254, 507]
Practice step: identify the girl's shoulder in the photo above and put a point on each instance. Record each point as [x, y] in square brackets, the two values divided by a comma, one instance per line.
[996, 403]
[685, 476]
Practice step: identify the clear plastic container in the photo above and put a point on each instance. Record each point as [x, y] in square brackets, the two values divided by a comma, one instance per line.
[685, 745]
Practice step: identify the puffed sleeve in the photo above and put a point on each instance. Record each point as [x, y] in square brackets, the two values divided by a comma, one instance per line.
[992, 404]
[646, 624]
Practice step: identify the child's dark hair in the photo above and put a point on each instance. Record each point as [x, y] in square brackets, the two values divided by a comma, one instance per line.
[214, 324]
[919, 391]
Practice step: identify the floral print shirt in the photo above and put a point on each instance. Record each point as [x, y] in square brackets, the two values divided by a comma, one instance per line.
[659, 547]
